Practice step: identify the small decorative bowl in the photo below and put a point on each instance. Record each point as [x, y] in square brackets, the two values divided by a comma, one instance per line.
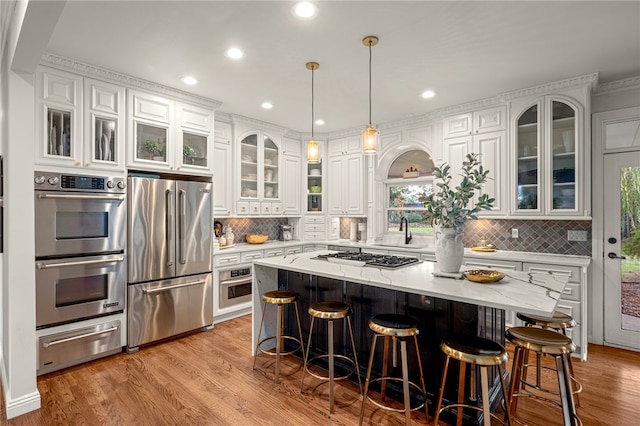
[256, 238]
[315, 189]
[483, 276]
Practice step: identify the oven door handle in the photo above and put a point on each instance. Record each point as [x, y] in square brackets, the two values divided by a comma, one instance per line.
[81, 336]
[170, 227]
[237, 281]
[82, 197]
[41, 265]
[182, 205]
[172, 287]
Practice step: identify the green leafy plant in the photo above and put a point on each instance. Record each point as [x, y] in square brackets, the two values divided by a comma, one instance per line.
[151, 146]
[631, 245]
[187, 151]
[448, 207]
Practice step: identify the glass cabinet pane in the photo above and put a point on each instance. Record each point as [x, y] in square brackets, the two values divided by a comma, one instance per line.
[270, 168]
[104, 139]
[194, 149]
[58, 132]
[528, 160]
[564, 156]
[151, 142]
[314, 187]
[249, 167]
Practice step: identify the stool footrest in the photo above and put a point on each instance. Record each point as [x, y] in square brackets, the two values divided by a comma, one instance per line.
[387, 407]
[323, 377]
[272, 350]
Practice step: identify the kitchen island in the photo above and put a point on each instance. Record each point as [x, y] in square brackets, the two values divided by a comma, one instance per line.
[443, 307]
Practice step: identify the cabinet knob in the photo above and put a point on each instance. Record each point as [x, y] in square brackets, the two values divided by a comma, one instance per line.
[171, 167]
[77, 163]
[178, 168]
[87, 164]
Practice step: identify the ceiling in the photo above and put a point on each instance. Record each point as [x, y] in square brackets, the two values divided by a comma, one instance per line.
[465, 51]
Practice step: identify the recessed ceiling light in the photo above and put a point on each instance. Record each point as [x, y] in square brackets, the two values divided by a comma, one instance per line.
[267, 105]
[305, 10]
[320, 122]
[428, 94]
[189, 80]
[234, 53]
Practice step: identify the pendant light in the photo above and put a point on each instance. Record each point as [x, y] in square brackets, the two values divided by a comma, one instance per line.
[370, 135]
[313, 154]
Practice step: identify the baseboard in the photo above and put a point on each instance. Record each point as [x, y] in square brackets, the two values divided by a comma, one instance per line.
[23, 405]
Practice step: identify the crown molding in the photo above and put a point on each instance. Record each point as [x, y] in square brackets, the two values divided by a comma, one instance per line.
[618, 85]
[353, 131]
[581, 80]
[258, 124]
[92, 71]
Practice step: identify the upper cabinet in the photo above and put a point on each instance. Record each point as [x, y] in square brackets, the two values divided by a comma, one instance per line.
[223, 171]
[80, 122]
[549, 157]
[291, 179]
[484, 133]
[167, 135]
[345, 178]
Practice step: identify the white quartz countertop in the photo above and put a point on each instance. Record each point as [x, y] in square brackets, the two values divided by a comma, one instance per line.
[534, 293]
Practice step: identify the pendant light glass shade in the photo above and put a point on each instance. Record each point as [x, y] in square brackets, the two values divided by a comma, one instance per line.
[370, 135]
[313, 153]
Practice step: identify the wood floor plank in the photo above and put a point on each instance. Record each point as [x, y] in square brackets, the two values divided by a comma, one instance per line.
[208, 379]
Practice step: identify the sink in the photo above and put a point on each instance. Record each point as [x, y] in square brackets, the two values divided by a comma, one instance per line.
[397, 241]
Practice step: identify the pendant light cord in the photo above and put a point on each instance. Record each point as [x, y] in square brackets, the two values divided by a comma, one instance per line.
[370, 83]
[312, 116]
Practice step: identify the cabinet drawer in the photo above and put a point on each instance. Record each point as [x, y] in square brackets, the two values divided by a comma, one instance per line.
[274, 252]
[312, 219]
[254, 207]
[571, 272]
[276, 208]
[250, 256]
[501, 265]
[293, 250]
[314, 236]
[314, 227]
[242, 207]
[226, 259]
[265, 208]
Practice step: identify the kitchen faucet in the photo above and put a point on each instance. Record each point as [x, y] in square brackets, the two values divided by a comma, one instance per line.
[407, 234]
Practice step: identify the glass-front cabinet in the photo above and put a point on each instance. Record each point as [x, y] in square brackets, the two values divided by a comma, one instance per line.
[259, 175]
[547, 150]
[314, 187]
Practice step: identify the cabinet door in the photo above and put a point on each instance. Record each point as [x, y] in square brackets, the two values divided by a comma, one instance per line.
[149, 131]
[249, 167]
[271, 172]
[222, 179]
[104, 126]
[456, 151]
[353, 189]
[491, 147]
[192, 152]
[457, 125]
[336, 184]
[292, 184]
[528, 149]
[490, 120]
[58, 117]
[563, 182]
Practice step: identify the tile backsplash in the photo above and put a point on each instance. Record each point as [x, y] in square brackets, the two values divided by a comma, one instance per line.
[243, 226]
[539, 236]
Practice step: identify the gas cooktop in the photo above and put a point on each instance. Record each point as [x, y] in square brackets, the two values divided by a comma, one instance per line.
[369, 259]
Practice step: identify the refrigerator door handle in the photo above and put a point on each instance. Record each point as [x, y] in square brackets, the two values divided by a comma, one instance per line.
[181, 225]
[169, 225]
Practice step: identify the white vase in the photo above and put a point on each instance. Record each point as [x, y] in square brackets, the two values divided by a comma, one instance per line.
[449, 249]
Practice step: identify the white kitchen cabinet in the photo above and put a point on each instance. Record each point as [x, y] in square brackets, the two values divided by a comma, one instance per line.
[291, 178]
[476, 122]
[550, 171]
[492, 149]
[314, 228]
[344, 146]
[259, 175]
[345, 183]
[167, 135]
[572, 301]
[222, 171]
[315, 188]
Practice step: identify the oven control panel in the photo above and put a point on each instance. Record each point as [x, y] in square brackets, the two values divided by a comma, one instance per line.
[69, 182]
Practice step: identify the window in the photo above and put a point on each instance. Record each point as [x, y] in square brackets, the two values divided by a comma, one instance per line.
[409, 183]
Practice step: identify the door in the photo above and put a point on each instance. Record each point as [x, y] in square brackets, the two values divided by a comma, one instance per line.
[151, 229]
[194, 227]
[622, 249]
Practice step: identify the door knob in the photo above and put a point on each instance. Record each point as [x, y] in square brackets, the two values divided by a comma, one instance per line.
[612, 255]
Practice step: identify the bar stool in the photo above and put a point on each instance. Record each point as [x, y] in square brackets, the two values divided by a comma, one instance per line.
[546, 342]
[280, 298]
[394, 327]
[330, 311]
[476, 351]
[559, 322]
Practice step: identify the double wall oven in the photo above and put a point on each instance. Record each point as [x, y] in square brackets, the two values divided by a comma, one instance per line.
[80, 264]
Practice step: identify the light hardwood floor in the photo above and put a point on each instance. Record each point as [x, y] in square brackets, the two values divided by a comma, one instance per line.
[207, 379]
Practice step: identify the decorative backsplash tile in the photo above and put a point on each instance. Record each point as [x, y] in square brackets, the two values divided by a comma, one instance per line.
[539, 236]
[243, 226]
[345, 226]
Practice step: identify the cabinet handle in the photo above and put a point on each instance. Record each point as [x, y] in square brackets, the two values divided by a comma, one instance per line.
[87, 164]
[82, 336]
[77, 163]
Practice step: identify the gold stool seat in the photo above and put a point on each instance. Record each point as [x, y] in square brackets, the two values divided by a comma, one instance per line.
[279, 298]
[476, 351]
[395, 327]
[559, 322]
[545, 342]
[330, 311]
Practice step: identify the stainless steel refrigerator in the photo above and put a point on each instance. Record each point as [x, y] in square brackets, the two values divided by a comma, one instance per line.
[169, 233]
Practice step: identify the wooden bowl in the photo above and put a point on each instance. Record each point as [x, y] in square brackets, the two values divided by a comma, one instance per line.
[483, 276]
[256, 238]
